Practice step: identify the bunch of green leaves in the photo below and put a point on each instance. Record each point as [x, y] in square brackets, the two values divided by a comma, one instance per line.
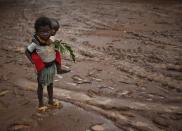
[64, 48]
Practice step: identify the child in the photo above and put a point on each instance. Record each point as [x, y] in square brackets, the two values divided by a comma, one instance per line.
[42, 45]
[55, 27]
[36, 59]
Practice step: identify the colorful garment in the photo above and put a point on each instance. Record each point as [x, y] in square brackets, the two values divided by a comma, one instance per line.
[43, 56]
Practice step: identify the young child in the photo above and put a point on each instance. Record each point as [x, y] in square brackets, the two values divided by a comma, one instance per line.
[55, 27]
[36, 59]
[42, 45]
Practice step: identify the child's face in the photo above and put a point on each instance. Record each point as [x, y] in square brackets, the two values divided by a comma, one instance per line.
[54, 30]
[44, 32]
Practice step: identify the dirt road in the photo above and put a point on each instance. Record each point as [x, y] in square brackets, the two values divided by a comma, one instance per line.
[128, 69]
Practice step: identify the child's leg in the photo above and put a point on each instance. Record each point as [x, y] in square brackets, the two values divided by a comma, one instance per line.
[50, 93]
[51, 102]
[40, 95]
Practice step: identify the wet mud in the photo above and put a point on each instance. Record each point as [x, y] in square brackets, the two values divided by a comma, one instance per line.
[128, 70]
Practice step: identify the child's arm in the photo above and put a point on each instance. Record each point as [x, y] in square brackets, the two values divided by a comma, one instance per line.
[28, 54]
[58, 57]
[29, 50]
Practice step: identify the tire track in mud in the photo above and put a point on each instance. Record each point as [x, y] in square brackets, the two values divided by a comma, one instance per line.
[134, 56]
[151, 76]
[153, 41]
[93, 23]
[128, 61]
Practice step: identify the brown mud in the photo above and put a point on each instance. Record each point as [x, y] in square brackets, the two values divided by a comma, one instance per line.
[128, 70]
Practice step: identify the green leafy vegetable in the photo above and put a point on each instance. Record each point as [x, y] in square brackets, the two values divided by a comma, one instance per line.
[64, 48]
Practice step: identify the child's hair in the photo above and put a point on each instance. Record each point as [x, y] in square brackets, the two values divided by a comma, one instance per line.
[54, 23]
[42, 21]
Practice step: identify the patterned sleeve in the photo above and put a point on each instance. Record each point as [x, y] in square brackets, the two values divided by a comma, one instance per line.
[32, 47]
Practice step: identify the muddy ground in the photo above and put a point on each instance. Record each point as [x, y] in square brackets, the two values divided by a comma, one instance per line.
[128, 70]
